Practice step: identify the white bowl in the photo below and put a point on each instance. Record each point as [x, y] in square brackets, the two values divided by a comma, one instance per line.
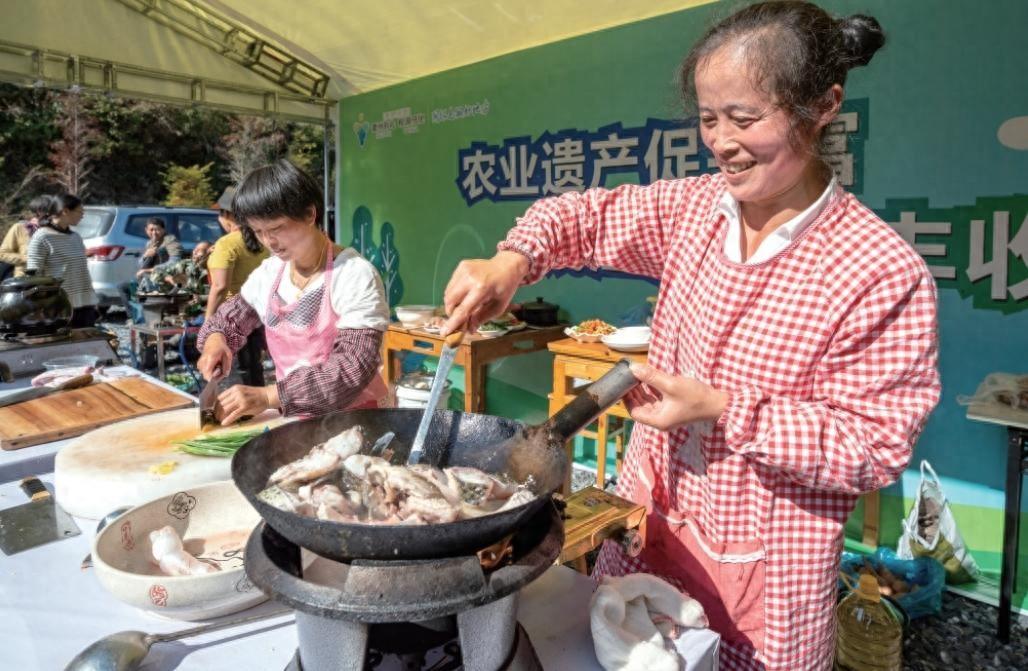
[414, 315]
[629, 339]
[214, 522]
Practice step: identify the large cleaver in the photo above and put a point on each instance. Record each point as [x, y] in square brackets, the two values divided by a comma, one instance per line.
[210, 409]
[34, 523]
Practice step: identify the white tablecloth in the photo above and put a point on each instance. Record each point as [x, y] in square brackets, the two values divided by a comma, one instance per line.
[17, 464]
[50, 609]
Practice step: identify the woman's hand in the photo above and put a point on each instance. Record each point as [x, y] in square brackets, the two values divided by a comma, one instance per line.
[216, 360]
[241, 401]
[481, 289]
[667, 402]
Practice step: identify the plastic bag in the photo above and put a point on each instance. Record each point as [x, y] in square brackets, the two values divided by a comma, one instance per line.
[931, 531]
[1005, 389]
[924, 577]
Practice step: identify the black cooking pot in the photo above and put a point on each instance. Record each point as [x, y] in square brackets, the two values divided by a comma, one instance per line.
[33, 305]
[539, 313]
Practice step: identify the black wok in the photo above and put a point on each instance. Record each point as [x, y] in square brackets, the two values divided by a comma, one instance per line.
[493, 444]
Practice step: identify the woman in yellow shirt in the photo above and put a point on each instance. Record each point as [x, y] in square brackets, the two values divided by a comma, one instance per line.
[235, 255]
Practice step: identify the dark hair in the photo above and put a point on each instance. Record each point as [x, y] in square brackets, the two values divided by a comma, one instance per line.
[156, 221]
[62, 202]
[56, 205]
[795, 51]
[250, 241]
[40, 206]
[277, 190]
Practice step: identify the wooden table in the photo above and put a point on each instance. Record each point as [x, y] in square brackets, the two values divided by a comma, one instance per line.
[159, 334]
[474, 354]
[1016, 422]
[587, 361]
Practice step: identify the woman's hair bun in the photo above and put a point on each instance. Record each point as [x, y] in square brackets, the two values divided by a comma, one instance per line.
[862, 36]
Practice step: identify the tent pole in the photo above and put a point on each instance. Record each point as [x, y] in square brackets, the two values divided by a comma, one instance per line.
[329, 227]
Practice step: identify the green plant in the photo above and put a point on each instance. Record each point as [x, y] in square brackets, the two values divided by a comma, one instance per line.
[189, 186]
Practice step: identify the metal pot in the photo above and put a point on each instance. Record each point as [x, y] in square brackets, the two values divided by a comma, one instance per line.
[33, 305]
[539, 313]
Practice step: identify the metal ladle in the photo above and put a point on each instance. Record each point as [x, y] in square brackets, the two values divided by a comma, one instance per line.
[126, 650]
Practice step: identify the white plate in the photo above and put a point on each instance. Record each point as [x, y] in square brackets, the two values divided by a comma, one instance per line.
[629, 339]
[492, 334]
[430, 329]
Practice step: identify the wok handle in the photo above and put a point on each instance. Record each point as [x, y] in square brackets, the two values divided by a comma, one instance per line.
[593, 400]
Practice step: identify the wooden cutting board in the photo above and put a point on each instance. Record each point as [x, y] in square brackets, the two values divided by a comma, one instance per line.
[67, 414]
[116, 465]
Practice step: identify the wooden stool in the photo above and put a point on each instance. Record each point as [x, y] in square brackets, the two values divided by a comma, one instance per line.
[608, 426]
[593, 516]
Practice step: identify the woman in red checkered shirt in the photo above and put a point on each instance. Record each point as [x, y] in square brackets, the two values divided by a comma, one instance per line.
[793, 360]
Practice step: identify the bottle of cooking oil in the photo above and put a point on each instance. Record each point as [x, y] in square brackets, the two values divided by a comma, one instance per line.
[870, 631]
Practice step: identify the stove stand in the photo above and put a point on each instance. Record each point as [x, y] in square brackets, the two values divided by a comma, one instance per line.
[429, 614]
[25, 355]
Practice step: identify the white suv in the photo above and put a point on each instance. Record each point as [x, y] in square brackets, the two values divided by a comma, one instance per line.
[115, 237]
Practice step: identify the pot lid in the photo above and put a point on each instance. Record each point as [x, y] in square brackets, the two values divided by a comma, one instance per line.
[538, 304]
[419, 379]
[27, 281]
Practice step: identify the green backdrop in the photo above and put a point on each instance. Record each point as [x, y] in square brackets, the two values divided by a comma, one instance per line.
[934, 139]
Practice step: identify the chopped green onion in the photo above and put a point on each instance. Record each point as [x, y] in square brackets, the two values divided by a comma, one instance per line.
[219, 444]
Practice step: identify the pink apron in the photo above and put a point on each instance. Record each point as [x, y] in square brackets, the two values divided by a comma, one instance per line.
[290, 344]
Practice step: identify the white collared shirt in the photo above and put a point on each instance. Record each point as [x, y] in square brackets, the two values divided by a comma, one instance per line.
[779, 239]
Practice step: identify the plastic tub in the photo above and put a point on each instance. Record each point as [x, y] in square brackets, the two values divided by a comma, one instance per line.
[73, 361]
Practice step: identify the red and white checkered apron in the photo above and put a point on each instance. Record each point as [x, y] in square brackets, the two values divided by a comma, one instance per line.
[829, 352]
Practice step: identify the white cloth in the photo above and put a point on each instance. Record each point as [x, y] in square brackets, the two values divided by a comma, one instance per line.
[779, 239]
[357, 294]
[634, 621]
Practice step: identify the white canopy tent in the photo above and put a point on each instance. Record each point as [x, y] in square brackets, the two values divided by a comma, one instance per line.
[289, 59]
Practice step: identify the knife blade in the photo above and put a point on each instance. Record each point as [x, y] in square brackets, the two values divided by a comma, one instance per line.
[32, 393]
[209, 404]
[34, 523]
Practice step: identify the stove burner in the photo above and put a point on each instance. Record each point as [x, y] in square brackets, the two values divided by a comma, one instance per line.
[446, 657]
[348, 615]
[38, 339]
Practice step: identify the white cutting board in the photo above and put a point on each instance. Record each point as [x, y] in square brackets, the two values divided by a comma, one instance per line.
[110, 466]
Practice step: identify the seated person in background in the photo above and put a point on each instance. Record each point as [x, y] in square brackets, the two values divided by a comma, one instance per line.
[160, 248]
[188, 276]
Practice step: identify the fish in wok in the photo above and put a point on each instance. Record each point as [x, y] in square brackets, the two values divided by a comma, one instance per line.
[337, 481]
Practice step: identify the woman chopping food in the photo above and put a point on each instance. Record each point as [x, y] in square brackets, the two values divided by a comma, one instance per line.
[322, 307]
[793, 360]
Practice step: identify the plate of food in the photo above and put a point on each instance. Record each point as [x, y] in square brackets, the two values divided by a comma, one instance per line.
[590, 330]
[508, 321]
[433, 325]
[629, 339]
[492, 330]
